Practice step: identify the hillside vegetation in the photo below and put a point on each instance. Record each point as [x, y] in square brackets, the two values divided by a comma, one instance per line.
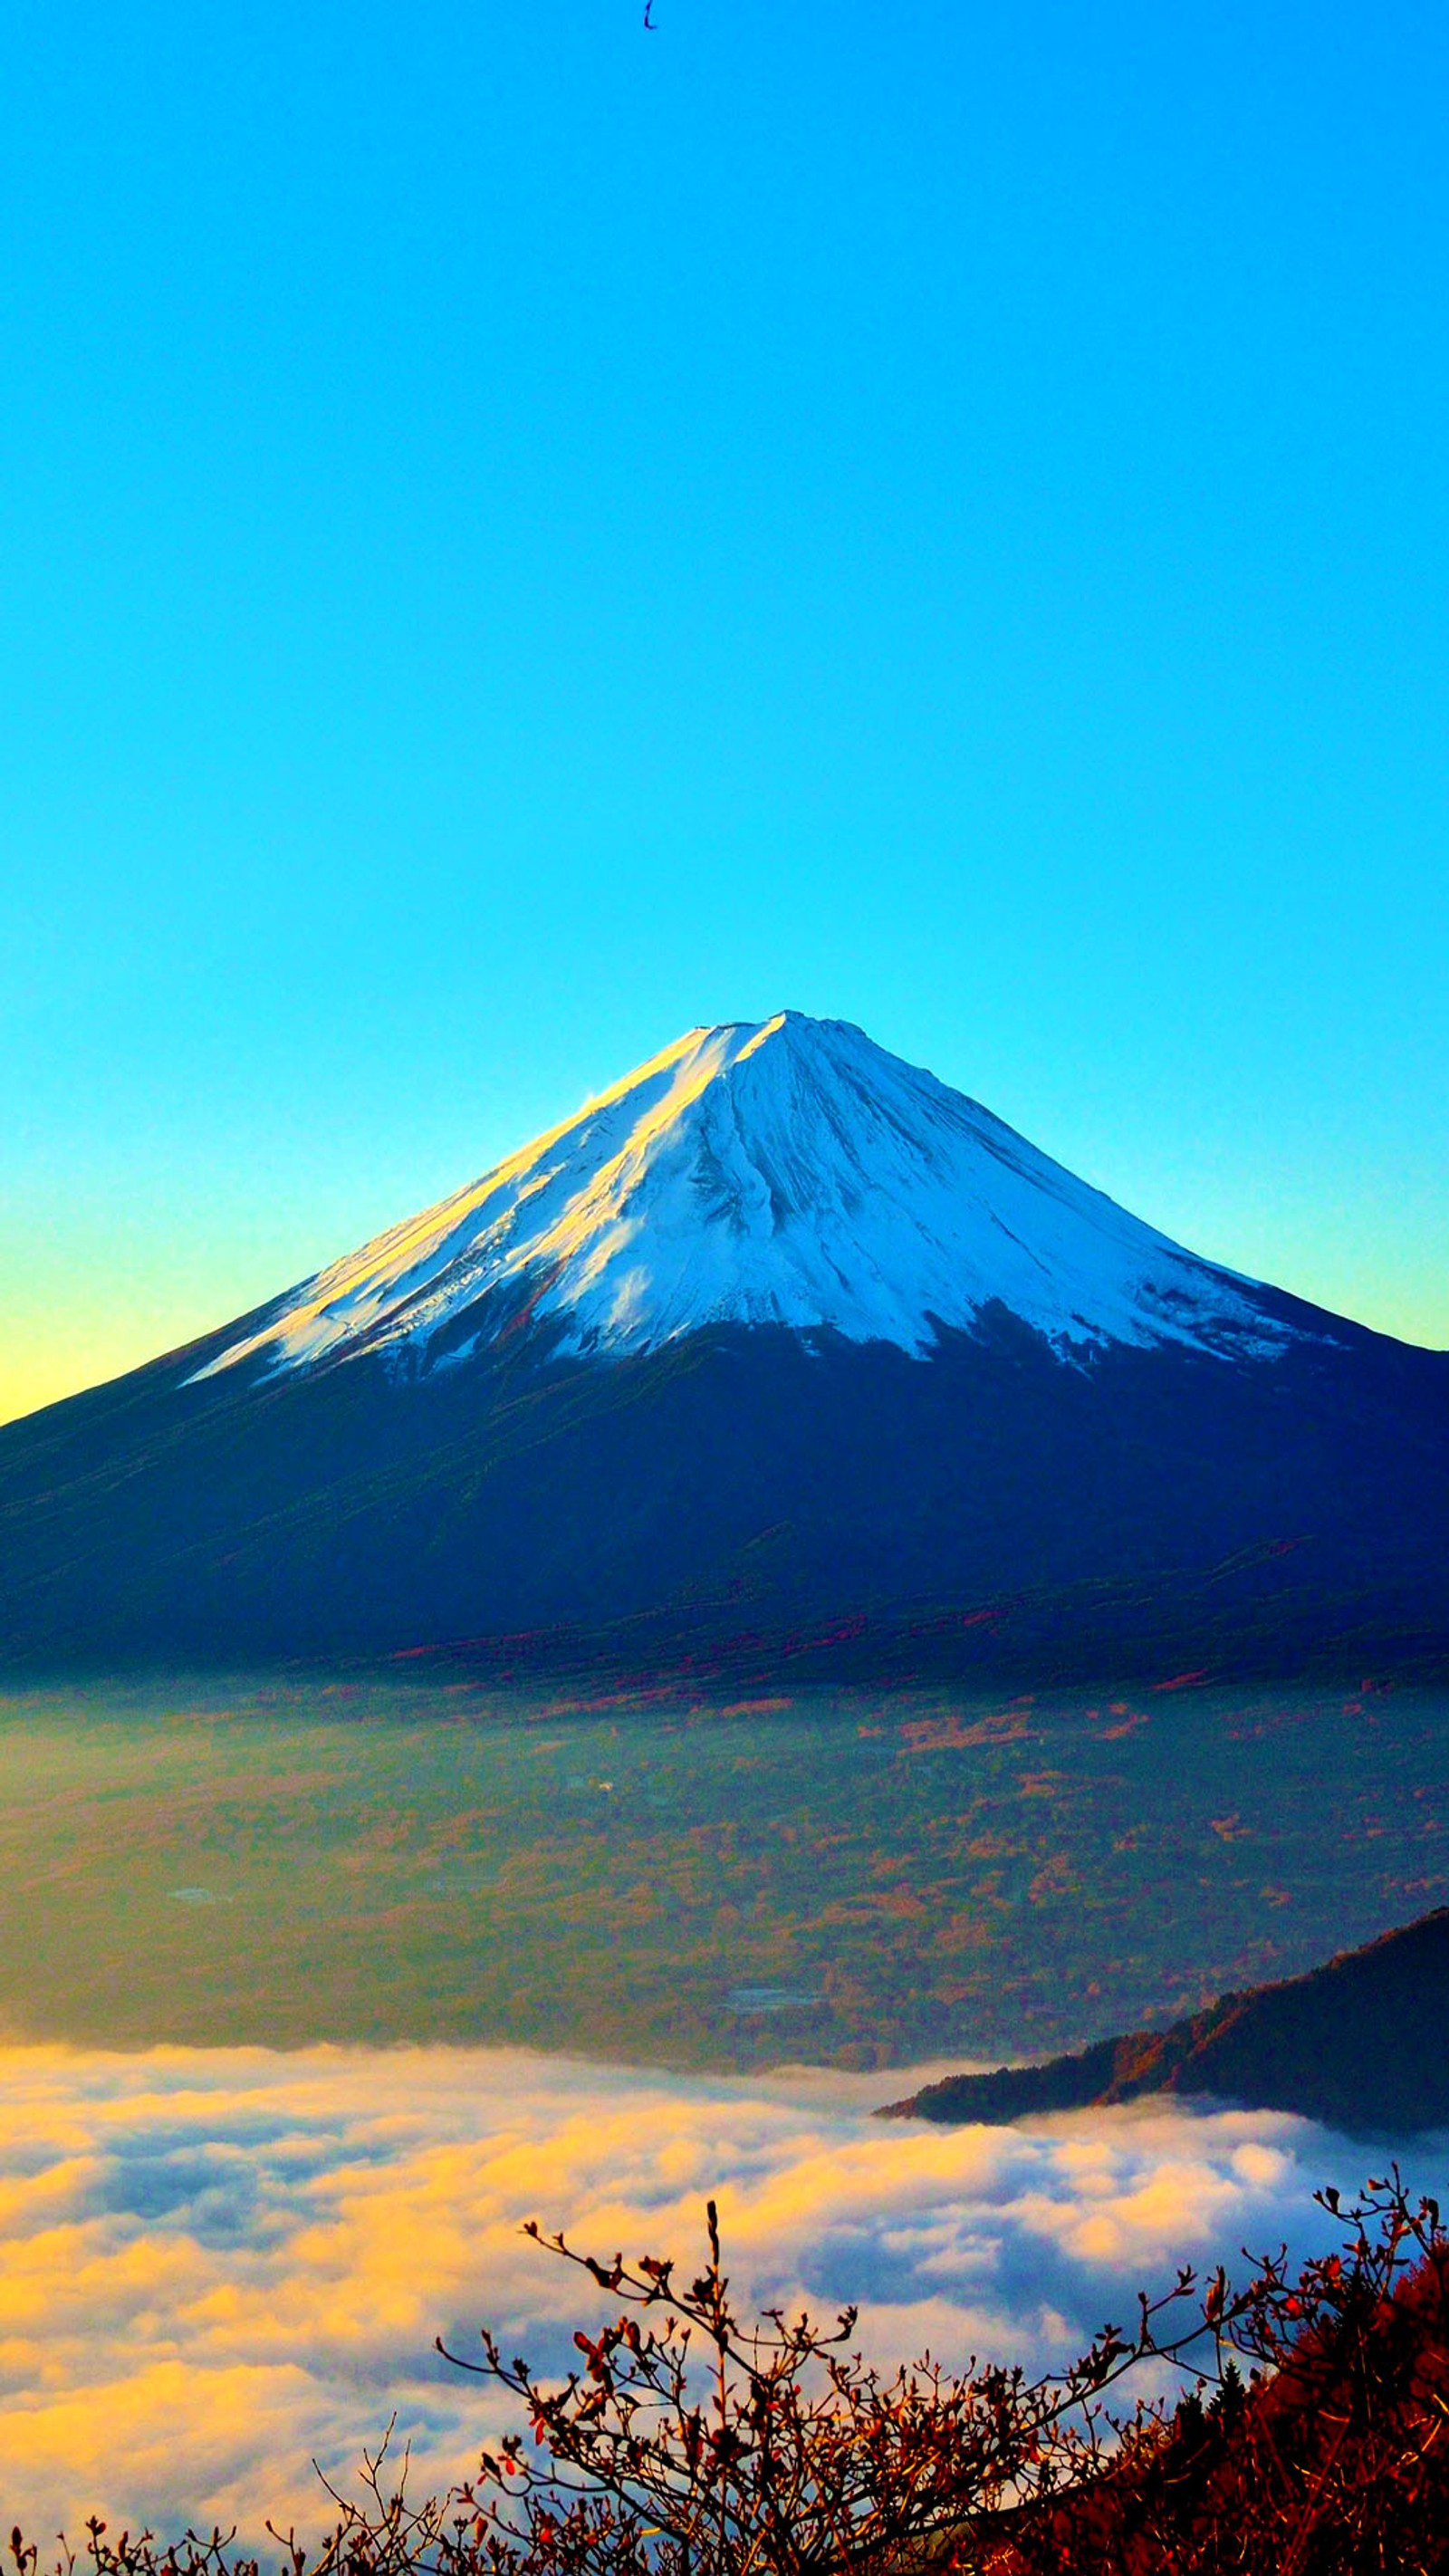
[1359, 2043]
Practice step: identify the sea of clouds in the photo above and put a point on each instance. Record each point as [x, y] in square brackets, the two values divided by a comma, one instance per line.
[218, 2267]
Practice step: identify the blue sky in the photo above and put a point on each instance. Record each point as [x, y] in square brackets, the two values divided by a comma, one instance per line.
[519, 535]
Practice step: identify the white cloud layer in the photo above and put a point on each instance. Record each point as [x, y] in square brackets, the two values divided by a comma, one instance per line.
[215, 2266]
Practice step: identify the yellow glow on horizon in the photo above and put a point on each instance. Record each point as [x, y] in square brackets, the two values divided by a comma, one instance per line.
[62, 1335]
[64, 1355]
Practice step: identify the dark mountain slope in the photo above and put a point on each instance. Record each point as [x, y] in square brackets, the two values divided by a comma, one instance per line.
[738, 1493]
[1361, 2044]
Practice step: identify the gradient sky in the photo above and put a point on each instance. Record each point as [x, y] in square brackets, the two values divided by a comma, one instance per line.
[518, 535]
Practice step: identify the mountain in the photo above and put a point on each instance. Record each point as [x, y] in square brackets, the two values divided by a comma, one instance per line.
[1361, 2044]
[790, 1173]
[780, 1353]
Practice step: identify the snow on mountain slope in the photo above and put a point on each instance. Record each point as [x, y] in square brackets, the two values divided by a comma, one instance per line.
[784, 1172]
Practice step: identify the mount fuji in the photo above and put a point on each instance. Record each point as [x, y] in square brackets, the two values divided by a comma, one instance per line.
[789, 1172]
[779, 1355]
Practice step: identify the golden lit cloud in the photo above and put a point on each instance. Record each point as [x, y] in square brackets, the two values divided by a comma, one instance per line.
[215, 2267]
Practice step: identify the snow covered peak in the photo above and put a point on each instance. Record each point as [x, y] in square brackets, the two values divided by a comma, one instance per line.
[785, 1171]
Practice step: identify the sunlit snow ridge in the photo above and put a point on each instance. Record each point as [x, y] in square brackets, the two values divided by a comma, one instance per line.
[786, 1171]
